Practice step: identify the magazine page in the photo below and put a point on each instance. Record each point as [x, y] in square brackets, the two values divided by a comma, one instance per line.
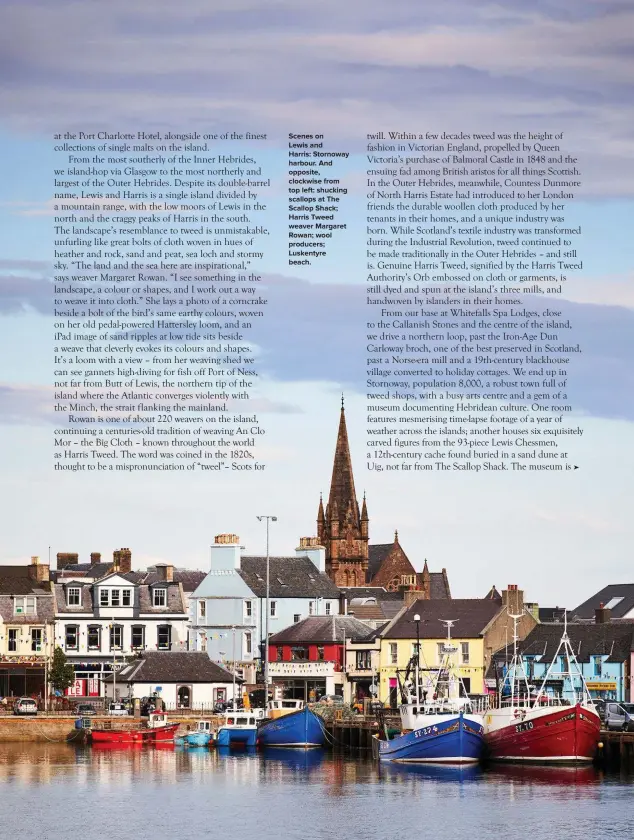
[316, 409]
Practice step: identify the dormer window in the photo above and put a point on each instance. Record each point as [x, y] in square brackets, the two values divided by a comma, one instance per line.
[104, 600]
[159, 597]
[73, 596]
[24, 605]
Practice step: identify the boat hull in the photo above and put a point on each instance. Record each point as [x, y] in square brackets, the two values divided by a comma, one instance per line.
[564, 735]
[455, 740]
[301, 729]
[134, 737]
[198, 739]
[237, 737]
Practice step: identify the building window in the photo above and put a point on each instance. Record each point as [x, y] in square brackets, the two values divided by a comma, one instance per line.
[73, 596]
[138, 636]
[597, 665]
[202, 610]
[164, 637]
[94, 637]
[115, 598]
[328, 607]
[126, 598]
[299, 654]
[279, 654]
[159, 597]
[320, 653]
[248, 609]
[273, 609]
[247, 644]
[24, 605]
[72, 637]
[13, 639]
[364, 660]
[311, 608]
[103, 598]
[440, 651]
[36, 640]
[116, 637]
[393, 653]
[296, 618]
[464, 652]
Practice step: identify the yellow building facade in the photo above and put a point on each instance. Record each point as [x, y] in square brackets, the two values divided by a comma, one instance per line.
[396, 653]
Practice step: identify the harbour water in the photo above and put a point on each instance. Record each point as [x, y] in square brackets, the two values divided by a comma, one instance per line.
[171, 792]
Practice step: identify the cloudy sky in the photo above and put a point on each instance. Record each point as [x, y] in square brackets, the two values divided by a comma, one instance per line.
[342, 69]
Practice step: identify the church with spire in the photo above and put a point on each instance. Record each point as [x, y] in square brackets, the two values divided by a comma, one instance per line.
[343, 528]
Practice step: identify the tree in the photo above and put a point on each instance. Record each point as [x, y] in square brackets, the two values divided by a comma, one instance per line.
[61, 674]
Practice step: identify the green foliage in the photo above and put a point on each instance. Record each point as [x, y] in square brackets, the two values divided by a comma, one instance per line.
[61, 674]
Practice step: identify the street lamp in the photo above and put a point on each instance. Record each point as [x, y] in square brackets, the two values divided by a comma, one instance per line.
[268, 610]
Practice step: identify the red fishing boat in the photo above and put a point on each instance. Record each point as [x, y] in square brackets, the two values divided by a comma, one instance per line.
[543, 728]
[157, 731]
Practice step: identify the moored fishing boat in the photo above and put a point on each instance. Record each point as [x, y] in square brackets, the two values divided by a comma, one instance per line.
[202, 736]
[240, 728]
[157, 730]
[291, 723]
[543, 727]
[438, 723]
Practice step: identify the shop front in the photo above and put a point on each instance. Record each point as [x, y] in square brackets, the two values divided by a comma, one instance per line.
[603, 689]
[22, 677]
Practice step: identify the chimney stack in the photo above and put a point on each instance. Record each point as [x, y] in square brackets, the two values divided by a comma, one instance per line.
[165, 572]
[225, 553]
[39, 571]
[513, 599]
[602, 615]
[66, 559]
[316, 553]
[95, 558]
[122, 560]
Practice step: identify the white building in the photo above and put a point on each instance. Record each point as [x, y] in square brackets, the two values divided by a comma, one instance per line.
[100, 622]
[185, 680]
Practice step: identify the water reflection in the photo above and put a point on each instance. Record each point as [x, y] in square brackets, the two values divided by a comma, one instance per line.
[300, 795]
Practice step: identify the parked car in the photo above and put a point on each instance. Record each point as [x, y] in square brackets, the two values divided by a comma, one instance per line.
[117, 709]
[85, 710]
[619, 716]
[25, 706]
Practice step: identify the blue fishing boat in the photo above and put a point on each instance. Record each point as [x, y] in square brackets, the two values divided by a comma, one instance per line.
[446, 738]
[291, 724]
[438, 722]
[240, 728]
[202, 736]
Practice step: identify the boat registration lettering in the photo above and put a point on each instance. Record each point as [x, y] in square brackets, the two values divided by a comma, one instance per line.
[524, 727]
[429, 730]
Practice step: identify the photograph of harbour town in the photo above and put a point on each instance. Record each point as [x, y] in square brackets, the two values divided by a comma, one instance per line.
[337, 689]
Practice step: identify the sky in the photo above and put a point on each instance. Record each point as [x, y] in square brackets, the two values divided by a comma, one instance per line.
[344, 70]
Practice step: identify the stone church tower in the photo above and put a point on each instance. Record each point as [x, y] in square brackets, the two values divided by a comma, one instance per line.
[342, 528]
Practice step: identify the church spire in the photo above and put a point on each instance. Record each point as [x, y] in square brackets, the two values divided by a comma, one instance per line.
[342, 490]
[343, 527]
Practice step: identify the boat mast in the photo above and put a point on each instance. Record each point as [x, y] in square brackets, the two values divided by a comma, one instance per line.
[449, 649]
[571, 659]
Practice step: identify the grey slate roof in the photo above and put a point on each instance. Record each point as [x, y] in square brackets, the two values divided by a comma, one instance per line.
[290, 577]
[437, 586]
[174, 666]
[604, 596]
[376, 555]
[86, 604]
[91, 570]
[471, 615]
[613, 640]
[322, 629]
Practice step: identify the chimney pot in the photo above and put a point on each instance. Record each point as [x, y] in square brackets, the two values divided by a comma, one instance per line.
[227, 539]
